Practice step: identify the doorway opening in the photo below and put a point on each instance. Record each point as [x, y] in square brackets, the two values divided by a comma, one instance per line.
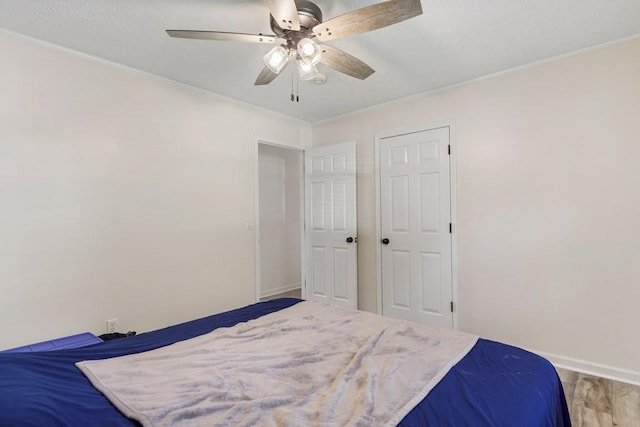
[279, 221]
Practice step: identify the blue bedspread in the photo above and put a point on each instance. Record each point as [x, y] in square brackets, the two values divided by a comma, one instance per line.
[494, 385]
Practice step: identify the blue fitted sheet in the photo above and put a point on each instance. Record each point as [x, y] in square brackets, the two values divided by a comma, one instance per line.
[493, 385]
[72, 341]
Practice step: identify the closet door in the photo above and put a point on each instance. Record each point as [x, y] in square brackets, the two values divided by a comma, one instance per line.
[415, 213]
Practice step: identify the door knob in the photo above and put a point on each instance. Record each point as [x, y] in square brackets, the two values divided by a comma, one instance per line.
[385, 241]
[349, 239]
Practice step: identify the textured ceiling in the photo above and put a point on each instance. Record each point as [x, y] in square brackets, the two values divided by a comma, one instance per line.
[453, 41]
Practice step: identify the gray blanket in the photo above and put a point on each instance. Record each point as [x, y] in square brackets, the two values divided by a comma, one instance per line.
[307, 365]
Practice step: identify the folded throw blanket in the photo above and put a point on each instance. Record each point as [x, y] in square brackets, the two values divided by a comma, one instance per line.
[307, 365]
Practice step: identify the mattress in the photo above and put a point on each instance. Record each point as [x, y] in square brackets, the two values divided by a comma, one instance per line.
[493, 385]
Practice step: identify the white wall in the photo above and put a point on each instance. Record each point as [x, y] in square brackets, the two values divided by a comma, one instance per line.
[121, 195]
[548, 201]
[280, 172]
[125, 195]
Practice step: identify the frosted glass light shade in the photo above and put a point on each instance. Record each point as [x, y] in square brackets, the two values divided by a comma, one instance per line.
[306, 71]
[309, 51]
[276, 58]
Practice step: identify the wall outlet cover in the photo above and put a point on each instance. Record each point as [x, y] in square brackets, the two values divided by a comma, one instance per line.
[111, 325]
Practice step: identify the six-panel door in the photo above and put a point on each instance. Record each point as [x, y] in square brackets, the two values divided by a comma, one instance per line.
[330, 220]
[415, 216]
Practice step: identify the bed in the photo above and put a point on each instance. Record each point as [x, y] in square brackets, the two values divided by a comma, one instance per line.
[492, 385]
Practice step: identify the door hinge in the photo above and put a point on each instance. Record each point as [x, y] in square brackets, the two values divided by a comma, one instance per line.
[452, 306]
[449, 149]
[450, 228]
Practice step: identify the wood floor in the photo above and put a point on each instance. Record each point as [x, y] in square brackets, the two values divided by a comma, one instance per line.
[592, 401]
[296, 293]
[600, 402]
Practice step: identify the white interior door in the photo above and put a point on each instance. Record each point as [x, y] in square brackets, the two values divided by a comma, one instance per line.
[415, 214]
[330, 223]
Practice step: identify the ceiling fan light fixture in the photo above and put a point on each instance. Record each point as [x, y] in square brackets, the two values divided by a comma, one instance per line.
[276, 58]
[320, 78]
[306, 71]
[309, 51]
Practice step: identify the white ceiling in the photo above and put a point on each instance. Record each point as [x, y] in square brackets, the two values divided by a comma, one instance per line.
[453, 41]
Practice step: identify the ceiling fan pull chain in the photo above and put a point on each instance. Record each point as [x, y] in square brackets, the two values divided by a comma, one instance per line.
[297, 88]
[293, 97]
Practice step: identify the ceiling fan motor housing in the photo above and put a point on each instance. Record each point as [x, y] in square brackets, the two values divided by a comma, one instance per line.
[309, 15]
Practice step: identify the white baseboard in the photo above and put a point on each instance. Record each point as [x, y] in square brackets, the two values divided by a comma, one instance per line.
[264, 293]
[592, 368]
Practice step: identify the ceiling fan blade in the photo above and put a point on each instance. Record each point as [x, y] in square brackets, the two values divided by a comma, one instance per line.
[285, 13]
[368, 19]
[222, 36]
[265, 77]
[345, 63]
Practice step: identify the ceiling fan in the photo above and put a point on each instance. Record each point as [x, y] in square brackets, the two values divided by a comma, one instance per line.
[298, 27]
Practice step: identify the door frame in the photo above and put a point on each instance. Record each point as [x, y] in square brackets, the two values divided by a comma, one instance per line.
[454, 214]
[256, 216]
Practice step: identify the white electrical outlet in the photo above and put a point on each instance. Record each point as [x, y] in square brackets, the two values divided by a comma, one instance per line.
[111, 325]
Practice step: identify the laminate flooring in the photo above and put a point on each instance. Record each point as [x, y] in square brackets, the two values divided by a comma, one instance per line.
[600, 402]
[296, 293]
